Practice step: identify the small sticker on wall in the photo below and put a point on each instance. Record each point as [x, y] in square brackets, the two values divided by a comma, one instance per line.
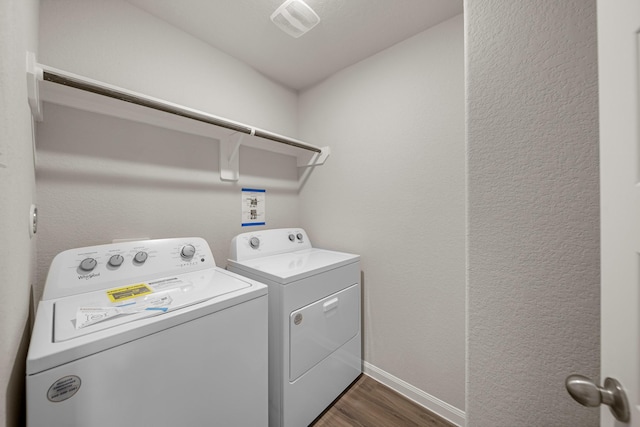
[253, 207]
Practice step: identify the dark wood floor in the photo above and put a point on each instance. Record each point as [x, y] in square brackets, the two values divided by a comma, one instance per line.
[367, 403]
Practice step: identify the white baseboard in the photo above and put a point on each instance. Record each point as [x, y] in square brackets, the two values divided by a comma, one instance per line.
[433, 404]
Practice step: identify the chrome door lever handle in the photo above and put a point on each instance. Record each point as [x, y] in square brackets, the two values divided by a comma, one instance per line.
[587, 393]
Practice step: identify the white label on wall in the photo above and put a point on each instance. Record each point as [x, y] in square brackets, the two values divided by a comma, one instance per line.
[253, 207]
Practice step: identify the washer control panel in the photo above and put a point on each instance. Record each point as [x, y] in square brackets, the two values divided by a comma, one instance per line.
[263, 243]
[96, 267]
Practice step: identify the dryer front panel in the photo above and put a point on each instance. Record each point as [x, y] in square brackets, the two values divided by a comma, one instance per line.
[320, 328]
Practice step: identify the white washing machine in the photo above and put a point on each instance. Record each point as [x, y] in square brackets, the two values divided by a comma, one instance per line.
[148, 333]
[314, 320]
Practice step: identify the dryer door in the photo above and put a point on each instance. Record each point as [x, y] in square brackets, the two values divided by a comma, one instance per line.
[320, 328]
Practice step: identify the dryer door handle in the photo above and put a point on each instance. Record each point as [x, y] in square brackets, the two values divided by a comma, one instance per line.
[330, 305]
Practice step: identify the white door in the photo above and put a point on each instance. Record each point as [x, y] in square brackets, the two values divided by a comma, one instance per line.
[618, 57]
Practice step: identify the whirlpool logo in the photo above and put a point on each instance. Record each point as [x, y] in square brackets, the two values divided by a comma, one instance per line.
[88, 276]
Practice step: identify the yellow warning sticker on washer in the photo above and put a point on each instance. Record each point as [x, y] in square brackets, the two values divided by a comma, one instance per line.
[127, 292]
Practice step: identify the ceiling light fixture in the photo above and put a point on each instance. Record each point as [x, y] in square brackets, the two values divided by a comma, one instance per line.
[295, 18]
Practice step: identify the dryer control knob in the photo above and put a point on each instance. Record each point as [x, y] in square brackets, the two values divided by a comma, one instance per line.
[140, 257]
[187, 251]
[254, 242]
[116, 260]
[88, 264]
[292, 237]
[299, 236]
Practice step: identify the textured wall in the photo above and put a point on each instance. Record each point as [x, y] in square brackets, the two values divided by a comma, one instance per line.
[101, 178]
[18, 33]
[533, 219]
[393, 191]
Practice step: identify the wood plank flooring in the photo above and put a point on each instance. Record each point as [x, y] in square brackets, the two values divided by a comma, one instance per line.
[368, 403]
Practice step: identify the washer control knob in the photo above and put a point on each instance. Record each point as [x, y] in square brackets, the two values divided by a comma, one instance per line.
[254, 242]
[140, 257]
[187, 251]
[299, 236]
[292, 237]
[116, 260]
[88, 264]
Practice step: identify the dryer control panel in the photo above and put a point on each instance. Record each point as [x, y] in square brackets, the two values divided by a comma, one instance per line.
[80, 270]
[263, 243]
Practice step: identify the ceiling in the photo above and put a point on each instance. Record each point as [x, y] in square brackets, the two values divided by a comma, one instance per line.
[349, 31]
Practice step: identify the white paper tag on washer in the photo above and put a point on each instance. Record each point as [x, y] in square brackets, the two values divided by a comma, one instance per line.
[86, 316]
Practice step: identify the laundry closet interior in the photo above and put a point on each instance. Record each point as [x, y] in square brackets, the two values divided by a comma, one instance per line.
[379, 168]
[394, 123]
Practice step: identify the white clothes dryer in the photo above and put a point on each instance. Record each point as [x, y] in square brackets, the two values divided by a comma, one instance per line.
[314, 320]
[147, 333]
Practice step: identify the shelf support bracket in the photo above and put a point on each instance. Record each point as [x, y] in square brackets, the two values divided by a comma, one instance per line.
[315, 159]
[229, 158]
[34, 75]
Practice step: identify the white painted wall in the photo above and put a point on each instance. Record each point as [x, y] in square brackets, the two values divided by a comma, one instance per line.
[101, 178]
[533, 211]
[117, 43]
[393, 191]
[18, 33]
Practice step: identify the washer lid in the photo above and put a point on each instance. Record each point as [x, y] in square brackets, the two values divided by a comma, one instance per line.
[84, 314]
[200, 293]
[292, 266]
